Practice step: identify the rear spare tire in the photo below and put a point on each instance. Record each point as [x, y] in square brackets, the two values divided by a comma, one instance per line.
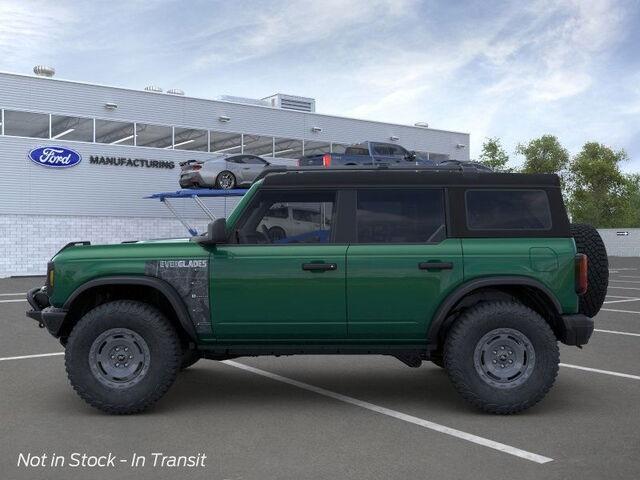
[588, 242]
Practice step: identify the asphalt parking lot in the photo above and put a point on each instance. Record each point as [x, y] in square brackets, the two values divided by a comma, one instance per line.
[332, 417]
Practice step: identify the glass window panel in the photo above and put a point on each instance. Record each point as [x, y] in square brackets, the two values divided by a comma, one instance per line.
[316, 148]
[289, 217]
[190, 139]
[115, 133]
[26, 124]
[401, 216]
[71, 128]
[257, 145]
[508, 210]
[226, 142]
[287, 148]
[157, 136]
[339, 148]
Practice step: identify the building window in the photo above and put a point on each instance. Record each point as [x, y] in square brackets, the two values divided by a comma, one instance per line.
[338, 148]
[190, 139]
[226, 142]
[26, 124]
[257, 145]
[71, 128]
[287, 148]
[114, 133]
[316, 148]
[157, 136]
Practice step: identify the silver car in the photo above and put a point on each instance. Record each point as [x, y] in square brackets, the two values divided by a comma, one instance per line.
[222, 171]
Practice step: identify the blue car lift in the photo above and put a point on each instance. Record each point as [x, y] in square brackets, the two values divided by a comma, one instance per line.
[196, 194]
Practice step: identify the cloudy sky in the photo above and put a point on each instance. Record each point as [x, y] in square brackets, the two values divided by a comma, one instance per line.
[515, 70]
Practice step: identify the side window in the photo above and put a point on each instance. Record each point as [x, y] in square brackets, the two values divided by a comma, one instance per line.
[507, 210]
[401, 216]
[235, 160]
[269, 222]
[251, 160]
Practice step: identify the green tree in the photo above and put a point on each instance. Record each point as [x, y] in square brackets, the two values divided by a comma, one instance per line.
[544, 155]
[494, 156]
[601, 194]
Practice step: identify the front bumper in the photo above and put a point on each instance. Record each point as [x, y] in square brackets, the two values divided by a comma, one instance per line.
[43, 313]
[576, 329]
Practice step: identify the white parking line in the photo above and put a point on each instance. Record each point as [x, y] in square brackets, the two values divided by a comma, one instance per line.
[596, 370]
[39, 355]
[617, 332]
[12, 294]
[623, 288]
[625, 281]
[625, 300]
[485, 442]
[13, 300]
[628, 276]
[619, 311]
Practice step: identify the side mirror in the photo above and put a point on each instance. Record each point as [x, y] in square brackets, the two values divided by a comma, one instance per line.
[411, 155]
[216, 233]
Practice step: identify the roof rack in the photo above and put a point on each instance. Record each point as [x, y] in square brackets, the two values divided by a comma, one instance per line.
[450, 166]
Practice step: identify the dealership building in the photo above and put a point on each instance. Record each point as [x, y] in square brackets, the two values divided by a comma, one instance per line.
[127, 144]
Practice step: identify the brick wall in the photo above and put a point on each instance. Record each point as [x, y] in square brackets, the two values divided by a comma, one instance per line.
[27, 242]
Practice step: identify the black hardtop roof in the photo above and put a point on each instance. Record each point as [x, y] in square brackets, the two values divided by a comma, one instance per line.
[404, 176]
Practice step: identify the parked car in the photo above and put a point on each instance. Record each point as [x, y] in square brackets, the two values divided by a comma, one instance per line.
[223, 171]
[367, 154]
[479, 273]
[284, 223]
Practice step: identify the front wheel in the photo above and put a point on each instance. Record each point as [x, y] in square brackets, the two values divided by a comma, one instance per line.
[501, 357]
[122, 356]
[226, 180]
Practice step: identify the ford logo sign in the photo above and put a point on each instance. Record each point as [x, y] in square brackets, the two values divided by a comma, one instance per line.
[55, 157]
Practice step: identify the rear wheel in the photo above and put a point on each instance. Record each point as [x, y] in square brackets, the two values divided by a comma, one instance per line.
[276, 234]
[589, 242]
[122, 356]
[226, 180]
[502, 357]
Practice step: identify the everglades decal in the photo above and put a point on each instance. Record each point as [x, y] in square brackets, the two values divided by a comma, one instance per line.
[190, 278]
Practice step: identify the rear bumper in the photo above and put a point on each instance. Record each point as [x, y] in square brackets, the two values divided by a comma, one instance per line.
[188, 180]
[43, 313]
[576, 329]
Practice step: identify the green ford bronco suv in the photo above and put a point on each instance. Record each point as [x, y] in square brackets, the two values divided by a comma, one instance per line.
[480, 273]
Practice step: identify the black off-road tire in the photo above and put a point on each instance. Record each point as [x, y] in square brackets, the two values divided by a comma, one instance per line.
[150, 328]
[437, 359]
[189, 357]
[589, 242]
[469, 332]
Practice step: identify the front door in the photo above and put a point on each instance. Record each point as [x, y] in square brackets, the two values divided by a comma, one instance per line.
[402, 264]
[281, 281]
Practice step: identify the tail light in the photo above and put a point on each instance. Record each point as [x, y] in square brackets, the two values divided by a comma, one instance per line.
[326, 160]
[196, 166]
[582, 282]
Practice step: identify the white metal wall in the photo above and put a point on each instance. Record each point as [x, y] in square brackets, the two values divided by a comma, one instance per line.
[621, 242]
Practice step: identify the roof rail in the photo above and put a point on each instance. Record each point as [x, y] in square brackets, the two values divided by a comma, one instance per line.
[462, 167]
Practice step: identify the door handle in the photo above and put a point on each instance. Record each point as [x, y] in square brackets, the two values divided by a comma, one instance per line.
[319, 267]
[435, 265]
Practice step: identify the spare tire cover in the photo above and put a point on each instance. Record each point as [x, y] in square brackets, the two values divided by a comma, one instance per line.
[589, 242]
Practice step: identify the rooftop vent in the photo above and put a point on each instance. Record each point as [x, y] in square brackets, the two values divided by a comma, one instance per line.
[153, 88]
[175, 91]
[292, 102]
[44, 71]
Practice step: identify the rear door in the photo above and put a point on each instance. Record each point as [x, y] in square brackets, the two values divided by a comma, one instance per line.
[387, 154]
[401, 265]
[284, 286]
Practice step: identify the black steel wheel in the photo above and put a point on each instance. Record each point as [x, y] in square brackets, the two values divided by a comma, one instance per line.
[501, 356]
[122, 356]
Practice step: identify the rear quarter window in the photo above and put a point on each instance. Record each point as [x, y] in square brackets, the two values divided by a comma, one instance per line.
[488, 209]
